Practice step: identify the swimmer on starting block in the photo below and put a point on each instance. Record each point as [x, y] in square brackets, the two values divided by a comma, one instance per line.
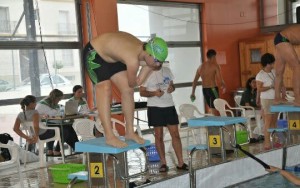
[285, 53]
[117, 57]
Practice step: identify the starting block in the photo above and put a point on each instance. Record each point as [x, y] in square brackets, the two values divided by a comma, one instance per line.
[99, 170]
[293, 119]
[213, 140]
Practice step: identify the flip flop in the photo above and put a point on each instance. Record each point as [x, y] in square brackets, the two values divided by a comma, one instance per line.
[163, 168]
[183, 167]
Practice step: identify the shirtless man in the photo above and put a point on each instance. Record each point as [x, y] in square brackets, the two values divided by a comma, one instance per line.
[285, 53]
[117, 57]
[208, 72]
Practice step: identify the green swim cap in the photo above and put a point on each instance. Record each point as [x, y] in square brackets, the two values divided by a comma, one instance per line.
[158, 48]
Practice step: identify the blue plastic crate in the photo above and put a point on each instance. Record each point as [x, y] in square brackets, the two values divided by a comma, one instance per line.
[282, 123]
[152, 153]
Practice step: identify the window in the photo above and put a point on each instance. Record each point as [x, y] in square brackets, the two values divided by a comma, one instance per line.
[178, 24]
[296, 12]
[67, 57]
[276, 13]
[32, 51]
[30, 54]
[4, 20]
[64, 25]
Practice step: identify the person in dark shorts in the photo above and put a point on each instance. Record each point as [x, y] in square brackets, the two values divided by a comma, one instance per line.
[97, 68]
[209, 71]
[210, 94]
[162, 113]
[286, 54]
[116, 58]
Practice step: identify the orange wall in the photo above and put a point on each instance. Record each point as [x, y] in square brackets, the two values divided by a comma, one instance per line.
[224, 23]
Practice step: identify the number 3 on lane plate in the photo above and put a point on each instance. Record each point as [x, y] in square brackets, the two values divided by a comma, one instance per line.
[214, 141]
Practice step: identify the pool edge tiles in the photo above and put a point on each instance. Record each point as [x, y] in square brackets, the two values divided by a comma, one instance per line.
[98, 145]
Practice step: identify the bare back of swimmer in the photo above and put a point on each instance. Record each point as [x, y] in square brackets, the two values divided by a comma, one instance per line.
[209, 72]
[285, 53]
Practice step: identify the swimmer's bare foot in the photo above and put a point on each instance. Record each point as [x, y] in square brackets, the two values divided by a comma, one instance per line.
[135, 138]
[116, 142]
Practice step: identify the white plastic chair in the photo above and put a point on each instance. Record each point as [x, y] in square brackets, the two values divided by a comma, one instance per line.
[224, 109]
[114, 122]
[186, 112]
[84, 128]
[28, 127]
[101, 129]
[21, 139]
[250, 113]
[14, 161]
[290, 96]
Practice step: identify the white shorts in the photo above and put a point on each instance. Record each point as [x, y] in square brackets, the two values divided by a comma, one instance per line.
[266, 105]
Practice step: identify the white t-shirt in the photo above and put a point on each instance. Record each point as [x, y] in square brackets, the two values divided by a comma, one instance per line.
[29, 117]
[268, 79]
[83, 107]
[44, 109]
[159, 80]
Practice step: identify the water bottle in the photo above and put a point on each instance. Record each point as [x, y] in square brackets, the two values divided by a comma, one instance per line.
[193, 98]
[62, 111]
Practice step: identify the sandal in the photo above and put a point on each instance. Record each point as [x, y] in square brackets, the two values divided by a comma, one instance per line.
[163, 168]
[183, 167]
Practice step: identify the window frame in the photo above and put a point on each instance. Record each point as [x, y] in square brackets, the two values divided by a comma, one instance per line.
[45, 45]
[276, 28]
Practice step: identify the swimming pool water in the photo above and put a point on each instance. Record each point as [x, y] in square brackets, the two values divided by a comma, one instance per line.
[274, 180]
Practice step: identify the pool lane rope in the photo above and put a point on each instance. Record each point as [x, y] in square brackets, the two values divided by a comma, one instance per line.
[266, 166]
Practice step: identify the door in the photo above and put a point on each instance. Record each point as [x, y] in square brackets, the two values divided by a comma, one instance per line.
[250, 53]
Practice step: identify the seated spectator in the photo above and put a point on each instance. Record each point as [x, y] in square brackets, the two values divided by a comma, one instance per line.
[249, 95]
[82, 103]
[48, 107]
[249, 99]
[29, 113]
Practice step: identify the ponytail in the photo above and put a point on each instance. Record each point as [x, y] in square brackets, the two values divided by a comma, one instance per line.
[26, 101]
